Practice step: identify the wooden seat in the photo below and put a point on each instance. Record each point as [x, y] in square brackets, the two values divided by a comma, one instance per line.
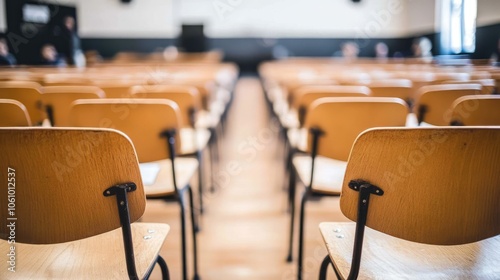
[413, 200]
[476, 110]
[57, 101]
[29, 94]
[434, 102]
[118, 89]
[53, 239]
[13, 113]
[332, 136]
[153, 126]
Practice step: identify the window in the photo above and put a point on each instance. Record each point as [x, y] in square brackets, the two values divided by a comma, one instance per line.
[458, 26]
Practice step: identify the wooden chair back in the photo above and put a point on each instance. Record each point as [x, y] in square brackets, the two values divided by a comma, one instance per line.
[187, 98]
[440, 184]
[59, 99]
[13, 113]
[399, 88]
[476, 110]
[60, 177]
[118, 89]
[29, 94]
[342, 119]
[306, 95]
[143, 120]
[434, 102]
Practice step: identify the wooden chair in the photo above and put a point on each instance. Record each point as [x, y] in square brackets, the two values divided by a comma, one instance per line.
[152, 125]
[57, 101]
[29, 94]
[13, 113]
[476, 110]
[67, 209]
[416, 191]
[334, 124]
[400, 88]
[194, 139]
[118, 89]
[434, 101]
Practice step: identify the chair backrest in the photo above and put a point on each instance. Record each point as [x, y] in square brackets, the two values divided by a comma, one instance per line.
[60, 177]
[59, 99]
[342, 119]
[118, 89]
[476, 110]
[434, 101]
[187, 98]
[306, 95]
[13, 113]
[440, 184]
[29, 94]
[143, 120]
[400, 88]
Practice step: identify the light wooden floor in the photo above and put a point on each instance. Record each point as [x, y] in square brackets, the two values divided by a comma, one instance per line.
[245, 227]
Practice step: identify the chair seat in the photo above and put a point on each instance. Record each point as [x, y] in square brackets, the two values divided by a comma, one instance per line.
[87, 258]
[207, 119]
[387, 257]
[297, 137]
[185, 169]
[289, 119]
[193, 140]
[328, 173]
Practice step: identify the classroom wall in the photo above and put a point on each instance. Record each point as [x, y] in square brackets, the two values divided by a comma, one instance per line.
[3, 20]
[488, 12]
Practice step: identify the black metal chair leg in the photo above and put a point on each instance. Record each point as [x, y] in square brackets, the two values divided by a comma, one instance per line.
[213, 141]
[301, 234]
[195, 247]
[165, 275]
[183, 234]
[292, 214]
[324, 267]
[199, 155]
[291, 176]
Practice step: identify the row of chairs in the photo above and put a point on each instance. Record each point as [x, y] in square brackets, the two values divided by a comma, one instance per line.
[169, 128]
[320, 124]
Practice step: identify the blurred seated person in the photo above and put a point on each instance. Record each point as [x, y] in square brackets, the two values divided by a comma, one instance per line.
[170, 53]
[50, 57]
[350, 50]
[381, 51]
[6, 58]
[422, 48]
[495, 57]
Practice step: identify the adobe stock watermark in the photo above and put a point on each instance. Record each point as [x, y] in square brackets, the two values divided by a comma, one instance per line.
[11, 219]
[379, 21]
[224, 7]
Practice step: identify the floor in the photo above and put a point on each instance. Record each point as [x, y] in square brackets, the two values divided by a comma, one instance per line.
[245, 228]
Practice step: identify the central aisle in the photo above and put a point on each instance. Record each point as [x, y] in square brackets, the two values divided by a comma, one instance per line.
[245, 227]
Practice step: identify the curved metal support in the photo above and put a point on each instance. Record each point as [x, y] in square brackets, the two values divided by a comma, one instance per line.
[193, 224]
[324, 267]
[165, 274]
[292, 188]
[303, 201]
[183, 233]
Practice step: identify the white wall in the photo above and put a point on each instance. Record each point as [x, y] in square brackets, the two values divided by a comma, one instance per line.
[297, 18]
[3, 18]
[421, 16]
[242, 18]
[111, 18]
[488, 12]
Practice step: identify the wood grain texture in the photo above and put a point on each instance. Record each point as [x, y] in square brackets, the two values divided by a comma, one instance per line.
[61, 97]
[438, 100]
[342, 119]
[400, 88]
[440, 184]
[98, 257]
[29, 94]
[477, 110]
[387, 257]
[13, 113]
[187, 98]
[143, 120]
[60, 177]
